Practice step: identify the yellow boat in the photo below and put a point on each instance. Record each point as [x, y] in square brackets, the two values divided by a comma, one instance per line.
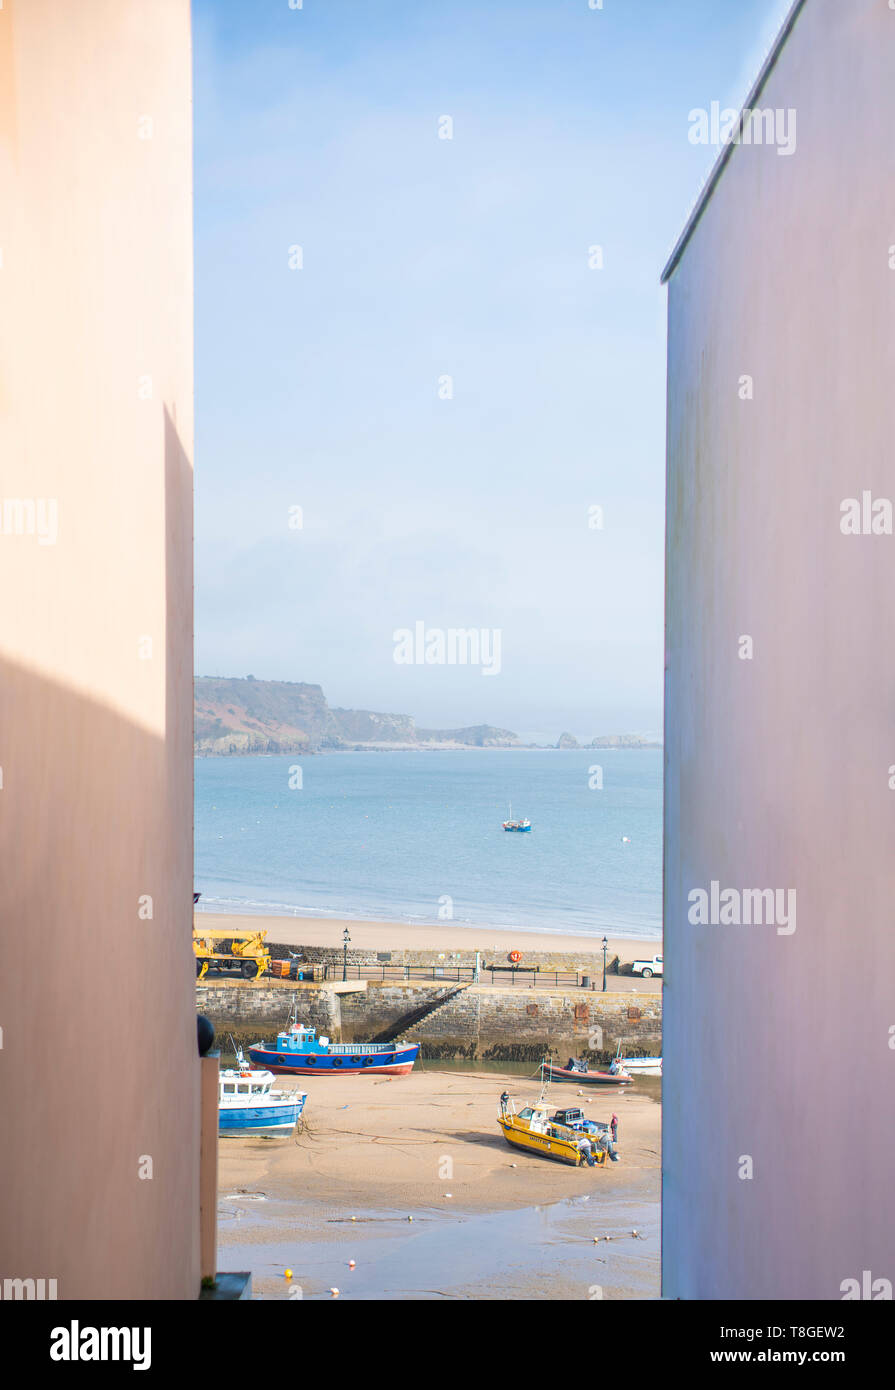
[531, 1128]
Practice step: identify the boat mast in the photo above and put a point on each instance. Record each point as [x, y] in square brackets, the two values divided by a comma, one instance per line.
[543, 1070]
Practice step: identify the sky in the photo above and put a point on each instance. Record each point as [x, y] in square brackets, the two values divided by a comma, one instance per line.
[468, 412]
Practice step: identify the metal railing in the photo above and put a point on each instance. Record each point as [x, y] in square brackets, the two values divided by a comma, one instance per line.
[522, 976]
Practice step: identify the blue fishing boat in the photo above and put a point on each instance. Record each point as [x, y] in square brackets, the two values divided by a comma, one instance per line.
[299, 1052]
[247, 1104]
[519, 825]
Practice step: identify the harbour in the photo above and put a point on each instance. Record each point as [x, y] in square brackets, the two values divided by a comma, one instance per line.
[541, 1252]
[410, 1178]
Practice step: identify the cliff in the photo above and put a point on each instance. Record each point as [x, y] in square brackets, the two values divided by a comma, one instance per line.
[245, 715]
[234, 715]
[623, 741]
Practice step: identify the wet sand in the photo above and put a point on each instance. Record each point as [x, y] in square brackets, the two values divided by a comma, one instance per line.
[488, 1221]
[400, 936]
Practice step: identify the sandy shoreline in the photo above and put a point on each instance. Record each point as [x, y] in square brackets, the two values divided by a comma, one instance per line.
[397, 936]
[384, 1149]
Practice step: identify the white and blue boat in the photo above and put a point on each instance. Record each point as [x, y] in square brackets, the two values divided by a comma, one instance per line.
[519, 825]
[248, 1105]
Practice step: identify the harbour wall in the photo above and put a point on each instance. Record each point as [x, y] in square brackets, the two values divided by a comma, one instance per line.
[475, 1021]
[589, 962]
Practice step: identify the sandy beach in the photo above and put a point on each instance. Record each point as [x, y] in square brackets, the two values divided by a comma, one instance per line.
[376, 1151]
[396, 936]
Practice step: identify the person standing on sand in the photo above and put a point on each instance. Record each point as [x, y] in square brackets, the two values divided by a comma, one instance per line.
[606, 1142]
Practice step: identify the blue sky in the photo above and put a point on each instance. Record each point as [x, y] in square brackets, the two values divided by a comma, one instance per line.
[423, 257]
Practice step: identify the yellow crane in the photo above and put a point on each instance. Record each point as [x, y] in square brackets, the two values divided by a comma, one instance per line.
[244, 951]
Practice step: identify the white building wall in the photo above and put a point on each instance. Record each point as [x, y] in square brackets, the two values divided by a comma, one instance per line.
[778, 1047]
[99, 1067]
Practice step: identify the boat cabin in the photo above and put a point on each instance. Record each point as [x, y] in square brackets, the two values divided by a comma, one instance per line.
[301, 1038]
[536, 1118]
[245, 1083]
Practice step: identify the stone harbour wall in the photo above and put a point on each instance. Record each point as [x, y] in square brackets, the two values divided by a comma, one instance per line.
[234, 1007]
[476, 1021]
[515, 1025]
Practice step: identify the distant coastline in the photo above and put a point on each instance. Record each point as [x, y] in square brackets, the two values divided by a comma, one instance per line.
[242, 716]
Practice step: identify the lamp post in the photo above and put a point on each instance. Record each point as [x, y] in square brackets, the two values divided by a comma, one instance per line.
[345, 939]
[605, 948]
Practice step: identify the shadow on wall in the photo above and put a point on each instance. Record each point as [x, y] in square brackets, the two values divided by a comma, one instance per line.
[99, 1162]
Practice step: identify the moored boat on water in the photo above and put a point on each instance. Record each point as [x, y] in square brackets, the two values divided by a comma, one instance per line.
[641, 1066]
[298, 1051]
[519, 825]
[247, 1104]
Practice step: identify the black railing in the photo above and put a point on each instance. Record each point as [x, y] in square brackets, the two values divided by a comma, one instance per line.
[524, 976]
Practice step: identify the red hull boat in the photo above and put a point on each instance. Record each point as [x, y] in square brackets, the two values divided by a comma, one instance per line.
[585, 1077]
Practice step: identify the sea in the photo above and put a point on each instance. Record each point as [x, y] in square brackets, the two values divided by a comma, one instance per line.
[416, 837]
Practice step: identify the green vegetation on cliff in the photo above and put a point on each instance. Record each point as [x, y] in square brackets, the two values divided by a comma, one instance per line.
[244, 715]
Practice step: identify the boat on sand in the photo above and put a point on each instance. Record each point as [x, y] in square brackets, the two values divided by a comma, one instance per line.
[567, 1136]
[582, 1075]
[299, 1052]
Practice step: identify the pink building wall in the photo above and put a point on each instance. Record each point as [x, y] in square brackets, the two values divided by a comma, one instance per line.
[99, 1074]
[778, 1047]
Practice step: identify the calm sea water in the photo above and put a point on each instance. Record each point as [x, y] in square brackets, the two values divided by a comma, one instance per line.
[416, 837]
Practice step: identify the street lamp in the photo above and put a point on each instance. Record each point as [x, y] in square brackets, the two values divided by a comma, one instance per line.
[605, 948]
[345, 939]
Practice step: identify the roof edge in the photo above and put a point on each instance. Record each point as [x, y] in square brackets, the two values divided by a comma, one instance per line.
[720, 165]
